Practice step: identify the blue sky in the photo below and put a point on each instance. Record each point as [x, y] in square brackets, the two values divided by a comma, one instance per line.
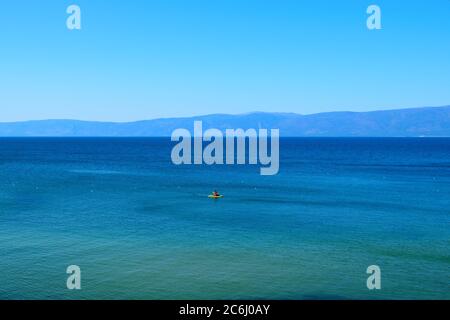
[147, 59]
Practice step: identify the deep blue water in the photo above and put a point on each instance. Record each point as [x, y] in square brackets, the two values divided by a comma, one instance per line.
[140, 227]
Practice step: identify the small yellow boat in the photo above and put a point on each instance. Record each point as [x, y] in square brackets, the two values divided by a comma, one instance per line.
[215, 197]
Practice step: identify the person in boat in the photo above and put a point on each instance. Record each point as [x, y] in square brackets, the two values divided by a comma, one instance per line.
[215, 193]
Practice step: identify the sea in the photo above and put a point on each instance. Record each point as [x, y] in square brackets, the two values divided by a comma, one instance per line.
[140, 227]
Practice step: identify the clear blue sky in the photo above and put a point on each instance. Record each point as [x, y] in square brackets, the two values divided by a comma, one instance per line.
[145, 59]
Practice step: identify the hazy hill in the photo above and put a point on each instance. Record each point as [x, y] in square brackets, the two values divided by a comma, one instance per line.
[430, 122]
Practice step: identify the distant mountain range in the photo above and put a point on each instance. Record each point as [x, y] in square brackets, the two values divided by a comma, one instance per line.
[417, 122]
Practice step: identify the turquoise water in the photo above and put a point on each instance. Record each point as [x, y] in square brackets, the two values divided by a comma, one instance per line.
[142, 228]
